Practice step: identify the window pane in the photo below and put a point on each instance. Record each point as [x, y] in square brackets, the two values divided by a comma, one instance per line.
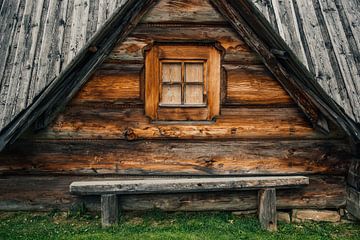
[171, 94]
[194, 94]
[194, 72]
[171, 72]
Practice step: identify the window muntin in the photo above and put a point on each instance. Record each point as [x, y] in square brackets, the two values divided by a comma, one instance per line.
[182, 83]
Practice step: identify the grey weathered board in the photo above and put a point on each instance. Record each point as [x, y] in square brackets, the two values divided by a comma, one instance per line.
[266, 186]
[185, 185]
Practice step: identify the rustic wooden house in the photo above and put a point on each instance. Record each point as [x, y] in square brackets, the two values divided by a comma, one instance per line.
[101, 89]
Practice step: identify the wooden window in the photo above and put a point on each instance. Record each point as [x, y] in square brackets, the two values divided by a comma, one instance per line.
[182, 82]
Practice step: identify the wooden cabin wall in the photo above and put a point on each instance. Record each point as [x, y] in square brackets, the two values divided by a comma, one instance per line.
[103, 132]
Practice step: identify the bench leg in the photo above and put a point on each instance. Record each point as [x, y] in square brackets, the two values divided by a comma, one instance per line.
[109, 210]
[267, 209]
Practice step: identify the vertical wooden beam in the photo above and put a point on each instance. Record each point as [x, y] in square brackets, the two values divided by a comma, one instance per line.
[109, 210]
[267, 209]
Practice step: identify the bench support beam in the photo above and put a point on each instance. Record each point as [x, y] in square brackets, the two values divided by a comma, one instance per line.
[267, 209]
[109, 210]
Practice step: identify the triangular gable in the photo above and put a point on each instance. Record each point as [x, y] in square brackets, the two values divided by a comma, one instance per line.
[276, 55]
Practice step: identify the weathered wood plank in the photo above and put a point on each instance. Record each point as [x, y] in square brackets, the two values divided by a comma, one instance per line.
[10, 37]
[342, 51]
[326, 74]
[185, 185]
[353, 178]
[183, 11]
[78, 28]
[241, 158]
[267, 209]
[254, 84]
[8, 10]
[52, 192]
[288, 27]
[26, 47]
[49, 59]
[92, 24]
[348, 10]
[109, 210]
[353, 202]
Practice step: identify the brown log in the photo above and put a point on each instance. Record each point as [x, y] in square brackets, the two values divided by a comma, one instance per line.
[49, 192]
[99, 121]
[254, 84]
[186, 11]
[264, 157]
[111, 88]
[132, 48]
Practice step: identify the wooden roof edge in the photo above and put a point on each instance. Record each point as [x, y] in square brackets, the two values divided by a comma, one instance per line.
[298, 81]
[60, 91]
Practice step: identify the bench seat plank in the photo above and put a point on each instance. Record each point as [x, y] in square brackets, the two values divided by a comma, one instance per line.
[154, 185]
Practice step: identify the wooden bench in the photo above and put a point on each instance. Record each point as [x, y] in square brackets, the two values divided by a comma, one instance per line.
[266, 187]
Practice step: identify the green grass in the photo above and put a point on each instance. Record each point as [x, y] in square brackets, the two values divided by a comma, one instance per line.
[157, 225]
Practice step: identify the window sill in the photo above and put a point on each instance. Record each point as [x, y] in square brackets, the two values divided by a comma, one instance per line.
[184, 122]
[183, 106]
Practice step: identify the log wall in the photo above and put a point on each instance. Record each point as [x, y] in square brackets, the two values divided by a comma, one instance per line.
[103, 132]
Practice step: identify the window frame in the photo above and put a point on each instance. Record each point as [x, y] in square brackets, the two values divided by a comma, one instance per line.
[181, 52]
[184, 83]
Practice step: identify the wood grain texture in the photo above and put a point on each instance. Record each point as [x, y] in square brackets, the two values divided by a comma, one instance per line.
[353, 202]
[112, 121]
[324, 34]
[109, 210]
[241, 158]
[52, 100]
[353, 177]
[267, 209]
[183, 11]
[185, 185]
[44, 193]
[112, 88]
[254, 84]
[235, 48]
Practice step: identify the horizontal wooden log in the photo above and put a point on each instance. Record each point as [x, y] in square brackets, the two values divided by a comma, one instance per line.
[115, 87]
[246, 85]
[184, 11]
[242, 158]
[32, 193]
[254, 84]
[116, 122]
[132, 49]
[185, 185]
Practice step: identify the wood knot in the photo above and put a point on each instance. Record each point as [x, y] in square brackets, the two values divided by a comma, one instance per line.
[130, 135]
[209, 162]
